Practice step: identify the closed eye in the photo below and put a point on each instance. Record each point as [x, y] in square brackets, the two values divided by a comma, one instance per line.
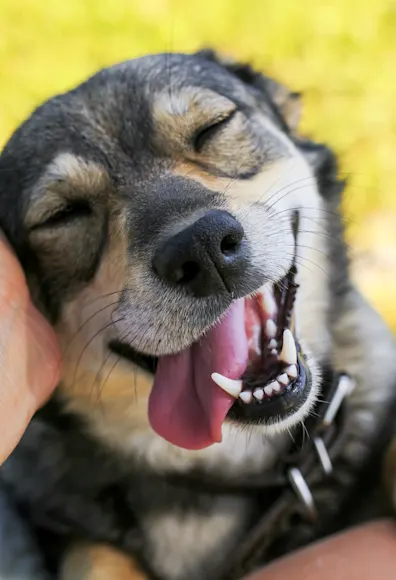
[72, 211]
[207, 132]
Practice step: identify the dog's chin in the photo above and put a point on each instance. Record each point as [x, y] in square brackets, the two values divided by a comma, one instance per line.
[273, 387]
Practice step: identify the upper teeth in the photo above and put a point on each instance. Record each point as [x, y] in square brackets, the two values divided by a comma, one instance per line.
[270, 328]
[289, 351]
[283, 379]
[230, 386]
[268, 301]
[246, 396]
[292, 371]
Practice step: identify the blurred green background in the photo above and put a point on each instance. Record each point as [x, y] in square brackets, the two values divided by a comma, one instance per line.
[340, 53]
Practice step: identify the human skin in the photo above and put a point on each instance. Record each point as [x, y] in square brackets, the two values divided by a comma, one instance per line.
[364, 553]
[30, 357]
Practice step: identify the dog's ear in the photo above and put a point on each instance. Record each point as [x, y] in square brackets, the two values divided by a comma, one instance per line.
[287, 103]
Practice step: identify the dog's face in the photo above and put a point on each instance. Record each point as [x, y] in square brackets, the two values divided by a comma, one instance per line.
[171, 228]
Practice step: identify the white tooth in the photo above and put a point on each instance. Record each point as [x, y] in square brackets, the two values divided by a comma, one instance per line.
[289, 351]
[283, 379]
[268, 389]
[268, 301]
[270, 328]
[272, 343]
[274, 352]
[230, 386]
[292, 371]
[246, 396]
[259, 394]
[276, 386]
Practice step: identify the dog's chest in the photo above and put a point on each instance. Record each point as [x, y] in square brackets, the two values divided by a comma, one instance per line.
[195, 538]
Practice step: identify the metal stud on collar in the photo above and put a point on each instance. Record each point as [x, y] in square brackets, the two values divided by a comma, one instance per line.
[344, 389]
[302, 490]
[323, 455]
[299, 484]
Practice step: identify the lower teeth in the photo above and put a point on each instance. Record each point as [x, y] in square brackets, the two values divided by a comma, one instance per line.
[275, 387]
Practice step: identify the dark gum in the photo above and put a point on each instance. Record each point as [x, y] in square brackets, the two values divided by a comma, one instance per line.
[279, 405]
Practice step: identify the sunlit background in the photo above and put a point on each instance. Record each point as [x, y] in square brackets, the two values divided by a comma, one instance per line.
[340, 53]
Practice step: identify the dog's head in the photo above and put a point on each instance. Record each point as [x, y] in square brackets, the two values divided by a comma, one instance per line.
[171, 226]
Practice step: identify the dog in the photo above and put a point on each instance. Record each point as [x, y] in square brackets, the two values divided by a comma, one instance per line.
[187, 244]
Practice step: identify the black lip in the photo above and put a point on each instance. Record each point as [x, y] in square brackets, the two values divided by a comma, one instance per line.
[146, 362]
[278, 407]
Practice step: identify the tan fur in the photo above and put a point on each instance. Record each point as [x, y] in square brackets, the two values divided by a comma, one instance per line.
[289, 104]
[99, 562]
[292, 111]
[181, 114]
[177, 115]
[96, 382]
[67, 175]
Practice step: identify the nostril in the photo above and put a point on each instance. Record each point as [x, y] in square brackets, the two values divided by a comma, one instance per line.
[187, 273]
[209, 257]
[230, 244]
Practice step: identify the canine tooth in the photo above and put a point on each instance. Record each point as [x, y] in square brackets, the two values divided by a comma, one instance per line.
[289, 351]
[268, 389]
[270, 328]
[272, 343]
[268, 301]
[292, 371]
[230, 386]
[283, 379]
[259, 394]
[246, 396]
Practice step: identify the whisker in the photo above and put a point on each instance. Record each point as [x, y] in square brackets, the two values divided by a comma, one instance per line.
[85, 323]
[108, 325]
[101, 297]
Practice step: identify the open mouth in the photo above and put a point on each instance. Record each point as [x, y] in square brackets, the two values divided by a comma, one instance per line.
[276, 380]
[248, 368]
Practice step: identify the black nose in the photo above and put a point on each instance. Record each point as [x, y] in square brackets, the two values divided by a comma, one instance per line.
[207, 258]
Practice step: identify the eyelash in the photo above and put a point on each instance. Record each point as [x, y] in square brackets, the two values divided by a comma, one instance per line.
[205, 133]
[76, 210]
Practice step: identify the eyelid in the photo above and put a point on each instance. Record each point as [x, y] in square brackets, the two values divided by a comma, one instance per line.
[214, 124]
[64, 213]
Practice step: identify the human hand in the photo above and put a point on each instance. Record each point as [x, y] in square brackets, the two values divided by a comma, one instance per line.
[30, 357]
[362, 553]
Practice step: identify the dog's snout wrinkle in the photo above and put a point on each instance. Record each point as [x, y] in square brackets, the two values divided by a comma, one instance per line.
[207, 258]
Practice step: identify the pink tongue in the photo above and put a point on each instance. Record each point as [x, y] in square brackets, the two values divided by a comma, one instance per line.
[186, 407]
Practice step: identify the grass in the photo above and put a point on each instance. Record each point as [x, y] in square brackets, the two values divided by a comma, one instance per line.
[340, 53]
